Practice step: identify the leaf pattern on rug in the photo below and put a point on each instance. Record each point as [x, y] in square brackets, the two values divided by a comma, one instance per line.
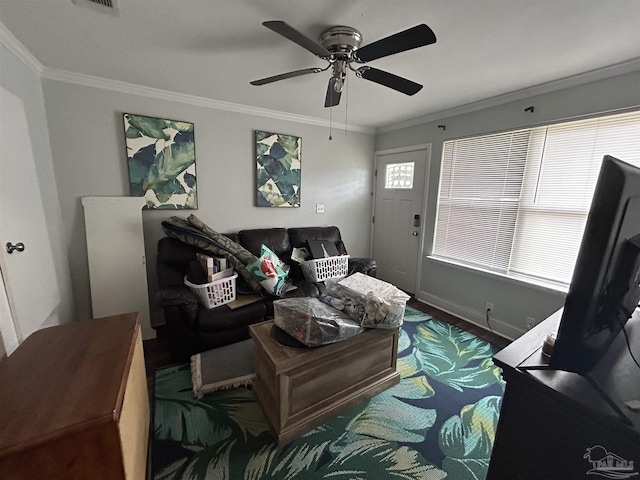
[454, 357]
[467, 439]
[388, 418]
[182, 417]
[438, 422]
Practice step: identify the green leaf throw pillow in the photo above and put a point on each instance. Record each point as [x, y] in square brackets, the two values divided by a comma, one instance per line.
[271, 272]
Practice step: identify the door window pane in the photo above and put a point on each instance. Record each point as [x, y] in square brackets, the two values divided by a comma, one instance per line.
[399, 175]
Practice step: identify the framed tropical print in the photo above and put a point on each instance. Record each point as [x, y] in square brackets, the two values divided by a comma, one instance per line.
[162, 161]
[277, 169]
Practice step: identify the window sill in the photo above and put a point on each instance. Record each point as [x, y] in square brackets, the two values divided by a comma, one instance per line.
[523, 281]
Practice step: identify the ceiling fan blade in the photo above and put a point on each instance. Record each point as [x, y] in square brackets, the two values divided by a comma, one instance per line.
[390, 80]
[292, 34]
[333, 98]
[415, 37]
[283, 76]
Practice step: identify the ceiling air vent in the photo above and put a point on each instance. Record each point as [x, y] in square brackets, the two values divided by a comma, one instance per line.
[110, 6]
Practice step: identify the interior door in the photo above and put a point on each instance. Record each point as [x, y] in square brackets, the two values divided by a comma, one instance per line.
[29, 278]
[398, 214]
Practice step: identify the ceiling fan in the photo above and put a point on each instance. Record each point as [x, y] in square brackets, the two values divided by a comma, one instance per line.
[340, 46]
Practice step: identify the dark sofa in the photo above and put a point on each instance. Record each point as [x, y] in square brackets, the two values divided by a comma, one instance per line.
[192, 328]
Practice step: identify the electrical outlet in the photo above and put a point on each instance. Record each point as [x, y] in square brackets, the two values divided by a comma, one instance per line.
[319, 207]
[531, 322]
[489, 307]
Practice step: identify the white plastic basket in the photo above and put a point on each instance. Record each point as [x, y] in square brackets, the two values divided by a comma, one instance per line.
[321, 269]
[216, 293]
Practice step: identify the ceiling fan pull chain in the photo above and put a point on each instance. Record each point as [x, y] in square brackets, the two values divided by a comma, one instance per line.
[346, 106]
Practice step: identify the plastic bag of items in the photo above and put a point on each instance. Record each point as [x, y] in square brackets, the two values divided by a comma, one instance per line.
[371, 302]
[313, 322]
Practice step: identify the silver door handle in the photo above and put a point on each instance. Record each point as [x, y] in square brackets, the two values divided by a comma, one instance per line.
[11, 247]
[415, 234]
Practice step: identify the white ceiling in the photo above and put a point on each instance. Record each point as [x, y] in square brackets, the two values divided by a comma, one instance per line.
[213, 48]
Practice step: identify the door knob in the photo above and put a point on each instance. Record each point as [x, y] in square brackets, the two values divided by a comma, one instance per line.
[415, 234]
[11, 247]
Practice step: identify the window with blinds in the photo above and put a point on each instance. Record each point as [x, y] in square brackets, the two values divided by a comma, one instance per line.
[517, 202]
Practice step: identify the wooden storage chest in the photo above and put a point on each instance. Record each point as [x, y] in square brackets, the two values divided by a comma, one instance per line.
[299, 389]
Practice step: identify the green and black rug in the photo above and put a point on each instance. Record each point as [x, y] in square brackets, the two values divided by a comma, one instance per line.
[438, 422]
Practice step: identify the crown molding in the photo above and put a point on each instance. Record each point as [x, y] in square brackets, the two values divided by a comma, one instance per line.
[159, 94]
[553, 86]
[19, 50]
[27, 58]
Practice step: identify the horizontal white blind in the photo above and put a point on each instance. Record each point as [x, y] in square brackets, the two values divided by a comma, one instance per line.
[517, 202]
[479, 195]
[557, 191]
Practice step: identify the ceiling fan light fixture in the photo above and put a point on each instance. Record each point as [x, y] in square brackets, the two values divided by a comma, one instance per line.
[339, 74]
[341, 40]
[340, 46]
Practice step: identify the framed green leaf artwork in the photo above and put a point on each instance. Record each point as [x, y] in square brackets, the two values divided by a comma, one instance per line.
[162, 161]
[278, 170]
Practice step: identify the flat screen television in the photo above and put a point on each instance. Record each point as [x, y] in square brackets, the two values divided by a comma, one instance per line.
[605, 286]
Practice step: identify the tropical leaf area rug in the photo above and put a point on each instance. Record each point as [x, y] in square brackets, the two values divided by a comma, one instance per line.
[438, 422]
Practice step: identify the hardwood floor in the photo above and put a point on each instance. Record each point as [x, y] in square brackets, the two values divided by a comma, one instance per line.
[480, 332]
[156, 355]
[156, 351]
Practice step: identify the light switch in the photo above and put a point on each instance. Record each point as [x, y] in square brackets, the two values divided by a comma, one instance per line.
[319, 207]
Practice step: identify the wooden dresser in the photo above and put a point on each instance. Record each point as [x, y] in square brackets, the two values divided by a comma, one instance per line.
[74, 403]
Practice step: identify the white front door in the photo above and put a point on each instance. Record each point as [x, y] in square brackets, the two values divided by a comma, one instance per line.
[398, 214]
[29, 278]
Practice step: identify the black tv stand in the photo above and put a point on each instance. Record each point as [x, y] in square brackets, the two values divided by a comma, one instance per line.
[612, 404]
[550, 418]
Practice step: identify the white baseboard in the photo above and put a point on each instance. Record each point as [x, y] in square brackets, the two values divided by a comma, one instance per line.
[498, 326]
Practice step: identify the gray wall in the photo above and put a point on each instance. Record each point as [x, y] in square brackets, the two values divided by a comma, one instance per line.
[87, 142]
[79, 150]
[463, 291]
[23, 82]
